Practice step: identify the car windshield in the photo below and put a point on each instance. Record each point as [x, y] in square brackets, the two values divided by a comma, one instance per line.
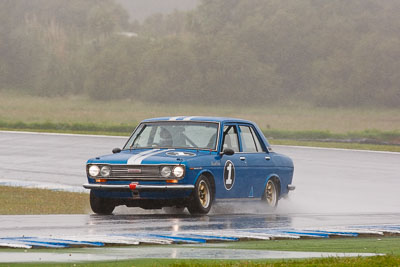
[174, 134]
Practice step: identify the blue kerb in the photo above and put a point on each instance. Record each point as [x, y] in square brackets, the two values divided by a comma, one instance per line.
[307, 234]
[76, 242]
[167, 237]
[211, 237]
[37, 243]
[337, 233]
[183, 239]
[55, 243]
[195, 238]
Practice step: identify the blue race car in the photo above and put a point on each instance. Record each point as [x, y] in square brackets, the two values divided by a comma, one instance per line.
[189, 162]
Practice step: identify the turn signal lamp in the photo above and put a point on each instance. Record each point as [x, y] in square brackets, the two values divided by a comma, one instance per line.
[172, 181]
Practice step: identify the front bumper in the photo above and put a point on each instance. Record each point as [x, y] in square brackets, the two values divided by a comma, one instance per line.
[138, 187]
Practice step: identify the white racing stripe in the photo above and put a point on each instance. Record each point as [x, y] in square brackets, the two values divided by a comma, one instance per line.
[132, 159]
[138, 160]
[175, 118]
[182, 118]
[189, 118]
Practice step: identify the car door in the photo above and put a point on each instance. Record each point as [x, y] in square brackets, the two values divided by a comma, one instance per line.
[257, 160]
[233, 171]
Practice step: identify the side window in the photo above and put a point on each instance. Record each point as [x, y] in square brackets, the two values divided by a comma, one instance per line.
[231, 138]
[247, 139]
[250, 141]
[258, 144]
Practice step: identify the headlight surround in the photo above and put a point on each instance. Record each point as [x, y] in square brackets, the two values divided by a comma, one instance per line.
[178, 171]
[166, 171]
[94, 170]
[105, 171]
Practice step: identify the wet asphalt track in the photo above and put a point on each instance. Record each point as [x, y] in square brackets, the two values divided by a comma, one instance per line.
[327, 180]
[334, 188]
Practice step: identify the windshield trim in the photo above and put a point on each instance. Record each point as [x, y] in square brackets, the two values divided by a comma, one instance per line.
[186, 122]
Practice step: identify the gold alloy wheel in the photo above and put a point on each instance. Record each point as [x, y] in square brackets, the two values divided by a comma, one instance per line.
[270, 193]
[204, 194]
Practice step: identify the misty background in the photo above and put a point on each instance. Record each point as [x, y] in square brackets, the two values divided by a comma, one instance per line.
[333, 53]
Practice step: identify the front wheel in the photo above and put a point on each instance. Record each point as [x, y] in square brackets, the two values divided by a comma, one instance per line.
[271, 193]
[100, 205]
[202, 197]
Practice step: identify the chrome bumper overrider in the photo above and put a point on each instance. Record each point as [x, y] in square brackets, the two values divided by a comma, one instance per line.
[138, 187]
[291, 187]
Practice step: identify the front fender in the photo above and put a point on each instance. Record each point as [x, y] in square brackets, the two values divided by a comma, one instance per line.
[204, 171]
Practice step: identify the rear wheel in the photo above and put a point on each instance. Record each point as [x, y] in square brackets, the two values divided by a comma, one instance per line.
[271, 193]
[101, 205]
[202, 197]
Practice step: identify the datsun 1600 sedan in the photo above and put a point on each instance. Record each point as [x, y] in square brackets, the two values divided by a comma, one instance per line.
[189, 162]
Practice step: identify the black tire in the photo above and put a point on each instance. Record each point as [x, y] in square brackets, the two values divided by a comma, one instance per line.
[271, 193]
[202, 197]
[101, 205]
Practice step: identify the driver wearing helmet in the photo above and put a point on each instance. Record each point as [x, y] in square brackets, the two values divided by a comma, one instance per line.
[165, 138]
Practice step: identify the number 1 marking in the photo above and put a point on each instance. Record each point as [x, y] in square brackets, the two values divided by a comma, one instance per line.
[229, 180]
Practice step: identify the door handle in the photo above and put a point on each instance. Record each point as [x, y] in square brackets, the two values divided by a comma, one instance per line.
[242, 158]
[267, 157]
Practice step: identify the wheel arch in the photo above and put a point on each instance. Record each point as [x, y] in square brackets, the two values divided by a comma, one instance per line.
[210, 178]
[274, 177]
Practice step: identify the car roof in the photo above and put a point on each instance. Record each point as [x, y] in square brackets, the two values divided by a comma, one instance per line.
[198, 118]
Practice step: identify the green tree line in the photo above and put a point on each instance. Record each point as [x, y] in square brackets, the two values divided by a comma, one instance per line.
[242, 52]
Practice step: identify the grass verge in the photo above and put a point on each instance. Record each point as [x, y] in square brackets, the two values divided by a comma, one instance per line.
[18, 200]
[293, 124]
[126, 129]
[357, 261]
[381, 245]
[341, 145]
[16, 107]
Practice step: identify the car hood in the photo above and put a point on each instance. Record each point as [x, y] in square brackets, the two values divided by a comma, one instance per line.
[148, 156]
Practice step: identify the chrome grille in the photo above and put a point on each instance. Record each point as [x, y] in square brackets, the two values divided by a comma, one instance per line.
[136, 172]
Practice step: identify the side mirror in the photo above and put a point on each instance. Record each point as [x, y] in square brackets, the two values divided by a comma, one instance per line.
[228, 152]
[116, 150]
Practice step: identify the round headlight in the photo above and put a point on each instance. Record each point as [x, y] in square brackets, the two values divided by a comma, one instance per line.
[166, 171]
[178, 171]
[94, 170]
[105, 171]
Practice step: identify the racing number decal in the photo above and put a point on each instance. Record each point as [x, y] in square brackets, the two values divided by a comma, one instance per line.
[229, 175]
